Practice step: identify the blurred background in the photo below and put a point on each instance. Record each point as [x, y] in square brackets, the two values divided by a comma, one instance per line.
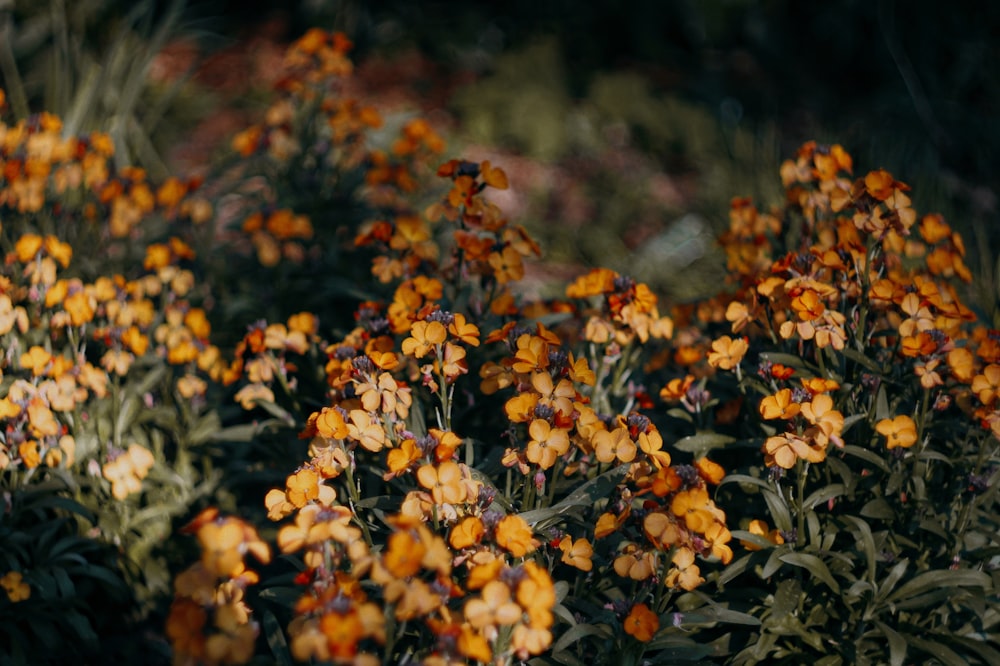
[625, 127]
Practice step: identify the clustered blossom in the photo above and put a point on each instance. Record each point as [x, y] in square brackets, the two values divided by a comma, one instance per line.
[869, 278]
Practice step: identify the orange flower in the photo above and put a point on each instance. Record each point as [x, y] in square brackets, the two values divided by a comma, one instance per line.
[779, 406]
[711, 472]
[816, 385]
[467, 532]
[424, 336]
[960, 362]
[784, 450]
[900, 431]
[577, 553]
[692, 505]
[302, 487]
[547, 443]
[614, 444]
[36, 359]
[13, 584]
[495, 607]
[676, 388]
[514, 535]
[642, 623]
[727, 353]
[808, 305]
[329, 423]
[464, 331]
[661, 530]
[403, 554]
[444, 482]
[366, 431]
[399, 459]
[536, 593]
[987, 385]
[820, 413]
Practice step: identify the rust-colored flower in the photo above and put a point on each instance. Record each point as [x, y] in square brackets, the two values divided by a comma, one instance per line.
[641, 623]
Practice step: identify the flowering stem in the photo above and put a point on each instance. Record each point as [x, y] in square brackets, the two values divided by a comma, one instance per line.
[801, 472]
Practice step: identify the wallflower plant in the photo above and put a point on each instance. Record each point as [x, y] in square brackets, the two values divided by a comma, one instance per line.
[801, 468]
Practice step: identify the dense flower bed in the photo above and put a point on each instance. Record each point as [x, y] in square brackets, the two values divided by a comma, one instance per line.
[392, 456]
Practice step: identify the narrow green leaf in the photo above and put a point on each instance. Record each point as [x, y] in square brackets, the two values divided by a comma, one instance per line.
[586, 495]
[858, 357]
[867, 455]
[276, 638]
[791, 360]
[889, 582]
[814, 565]
[878, 508]
[938, 650]
[774, 562]
[824, 494]
[897, 644]
[701, 443]
[863, 533]
[779, 510]
[578, 633]
[755, 539]
[931, 580]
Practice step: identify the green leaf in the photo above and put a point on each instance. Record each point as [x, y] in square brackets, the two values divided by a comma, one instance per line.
[849, 422]
[867, 455]
[791, 360]
[938, 650]
[587, 494]
[700, 444]
[897, 644]
[755, 539]
[578, 633]
[889, 582]
[276, 638]
[824, 494]
[858, 357]
[863, 533]
[779, 510]
[878, 508]
[942, 578]
[676, 649]
[814, 565]
[277, 411]
[786, 598]
[774, 561]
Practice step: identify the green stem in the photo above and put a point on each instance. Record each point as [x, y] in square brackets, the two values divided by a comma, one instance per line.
[801, 472]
